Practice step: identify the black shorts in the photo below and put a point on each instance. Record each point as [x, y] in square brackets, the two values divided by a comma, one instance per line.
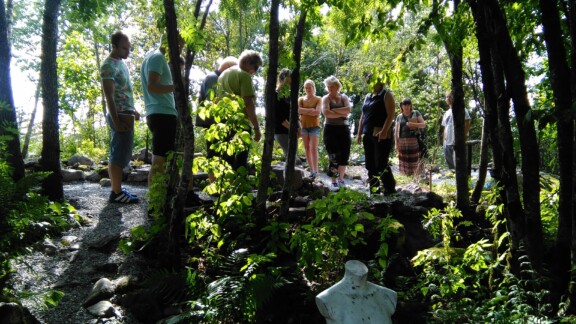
[163, 128]
[337, 141]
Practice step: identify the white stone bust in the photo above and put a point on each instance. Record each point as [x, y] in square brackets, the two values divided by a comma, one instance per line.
[353, 300]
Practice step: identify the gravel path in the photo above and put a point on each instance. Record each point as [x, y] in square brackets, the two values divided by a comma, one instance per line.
[74, 265]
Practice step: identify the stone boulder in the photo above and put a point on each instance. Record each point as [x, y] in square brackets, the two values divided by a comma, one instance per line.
[69, 175]
[78, 159]
[297, 180]
[143, 155]
[102, 289]
[12, 313]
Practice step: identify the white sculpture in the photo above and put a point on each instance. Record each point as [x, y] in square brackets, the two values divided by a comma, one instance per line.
[353, 300]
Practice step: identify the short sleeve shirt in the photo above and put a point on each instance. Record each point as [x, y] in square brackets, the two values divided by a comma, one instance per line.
[157, 103]
[237, 81]
[448, 123]
[116, 70]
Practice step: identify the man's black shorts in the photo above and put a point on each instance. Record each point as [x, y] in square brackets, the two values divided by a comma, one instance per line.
[163, 128]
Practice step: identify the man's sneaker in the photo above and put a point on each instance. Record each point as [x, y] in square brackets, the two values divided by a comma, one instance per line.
[124, 190]
[123, 197]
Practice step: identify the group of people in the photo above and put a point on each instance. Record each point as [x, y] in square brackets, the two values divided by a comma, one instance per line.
[374, 130]
[234, 76]
[379, 131]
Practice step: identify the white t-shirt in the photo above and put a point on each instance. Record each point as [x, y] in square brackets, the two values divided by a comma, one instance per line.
[448, 124]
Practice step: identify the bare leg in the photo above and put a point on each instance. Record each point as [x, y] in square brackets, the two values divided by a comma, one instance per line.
[313, 147]
[157, 166]
[306, 141]
[341, 172]
[115, 174]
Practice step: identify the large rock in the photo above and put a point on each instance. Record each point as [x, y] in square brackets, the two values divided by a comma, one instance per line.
[143, 155]
[12, 313]
[297, 179]
[102, 309]
[103, 289]
[140, 175]
[69, 175]
[77, 160]
[93, 176]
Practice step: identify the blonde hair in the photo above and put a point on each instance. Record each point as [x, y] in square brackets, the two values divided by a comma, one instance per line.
[332, 80]
[310, 82]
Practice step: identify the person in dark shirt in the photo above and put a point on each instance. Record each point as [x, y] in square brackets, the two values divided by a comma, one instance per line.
[282, 119]
[376, 126]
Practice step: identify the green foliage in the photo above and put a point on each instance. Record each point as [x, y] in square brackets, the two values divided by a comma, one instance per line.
[442, 223]
[323, 244]
[278, 236]
[45, 300]
[472, 285]
[387, 226]
[247, 283]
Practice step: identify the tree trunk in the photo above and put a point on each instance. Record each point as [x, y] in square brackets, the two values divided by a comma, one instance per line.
[572, 19]
[516, 88]
[31, 123]
[292, 138]
[454, 51]
[9, 23]
[498, 125]
[482, 166]
[176, 231]
[50, 161]
[270, 101]
[8, 124]
[560, 81]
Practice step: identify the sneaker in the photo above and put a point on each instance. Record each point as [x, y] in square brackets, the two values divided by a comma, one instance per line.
[335, 184]
[313, 174]
[341, 183]
[123, 197]
[124, 190]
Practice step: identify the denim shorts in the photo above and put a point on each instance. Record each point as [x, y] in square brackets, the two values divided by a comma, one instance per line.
[121, 144]
[311, 131]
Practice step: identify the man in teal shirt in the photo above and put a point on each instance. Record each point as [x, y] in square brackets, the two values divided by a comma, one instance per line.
[161, 114]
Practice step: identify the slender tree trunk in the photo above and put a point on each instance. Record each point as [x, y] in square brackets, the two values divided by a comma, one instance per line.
[482, 166]
[31, 123]
[498, 123]
[484, 146]
[560, 81]
[9, 23]
[454, 50]
[8, 122]
[292, 138]
[270, 101]
[52, 185]
[572, 19]
[516, 88]
[176, 231]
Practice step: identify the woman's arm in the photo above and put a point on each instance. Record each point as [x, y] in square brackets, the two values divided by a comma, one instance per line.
[326, 108]
[309, 111]
[359, 135]
[420, 123]
[390, 105]
[346, 110]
